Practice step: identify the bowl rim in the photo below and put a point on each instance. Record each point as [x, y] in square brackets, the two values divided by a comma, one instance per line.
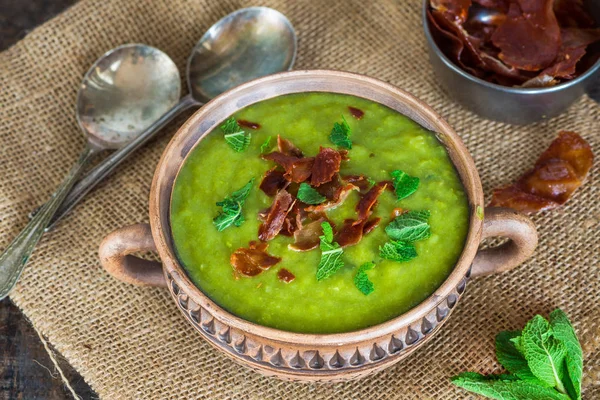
[454, 145]
[494, 86]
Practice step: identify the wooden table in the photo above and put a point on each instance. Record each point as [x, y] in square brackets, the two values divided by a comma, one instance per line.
[26, 370]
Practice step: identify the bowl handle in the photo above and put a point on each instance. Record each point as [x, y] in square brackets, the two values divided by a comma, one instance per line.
[115, 256]
[522, 235]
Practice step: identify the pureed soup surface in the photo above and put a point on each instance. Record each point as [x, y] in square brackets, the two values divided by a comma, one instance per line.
[382, 141]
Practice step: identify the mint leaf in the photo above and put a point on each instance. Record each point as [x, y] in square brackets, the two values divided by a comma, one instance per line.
[409, 227]
[242, 194]
[308, 195]
[505, 389]
[404, 184]
[397, 251]
[512, 359]
[564, 332]
[266, 145]
[331, 254]
[327, 231]
[231, 208]
[361, 280]
[235, 137]
[340, 134]
[544, 353]
[371, 181]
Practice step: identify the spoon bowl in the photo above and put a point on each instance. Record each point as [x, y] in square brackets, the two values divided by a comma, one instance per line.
[124, 92]
[247, 44]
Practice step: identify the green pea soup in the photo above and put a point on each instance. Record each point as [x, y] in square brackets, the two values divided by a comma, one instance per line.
[383, 140]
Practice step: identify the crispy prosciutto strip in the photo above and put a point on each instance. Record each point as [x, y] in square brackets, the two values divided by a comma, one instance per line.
[253, 260]
[300, 170]
[285, 276]
[248, 124]
[288, 148]
[356, 112]
[338, 198]
[359, 180]
[273, 181]
[275, 218]
[293, 221]
[286, 161]
[350, 233]
[370, 225]
[369, 200]
[559, 171]
[307, 238]
[326, 166]
[529, 38]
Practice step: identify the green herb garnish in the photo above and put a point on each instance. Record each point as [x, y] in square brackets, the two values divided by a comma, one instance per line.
[266, 145]
[397, 251]
[404, 184]
[331, 254]
[545, 361]
[361, 280]
[409, 227]
[372, 182]
[231, 213]
[340, 134]
[235, 137]
[308, 195]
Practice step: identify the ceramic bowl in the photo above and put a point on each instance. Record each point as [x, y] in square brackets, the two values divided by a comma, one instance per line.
[313, 357]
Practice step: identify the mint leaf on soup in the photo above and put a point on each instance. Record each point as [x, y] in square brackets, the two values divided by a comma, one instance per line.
[409, 227]
[511, 358]
[308, 195]
[327, 232]
[361, 280]
[544, 353]
[231, 208]
[505, 389]
[266, 145]
[235, 137]
[404, 184]
[331, 254]
[340, 134]
[397, 251]
[564, 332]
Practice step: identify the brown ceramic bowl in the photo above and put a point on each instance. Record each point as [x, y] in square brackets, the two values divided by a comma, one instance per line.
[310, 357]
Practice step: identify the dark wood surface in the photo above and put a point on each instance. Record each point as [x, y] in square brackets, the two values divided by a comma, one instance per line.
[26, 370]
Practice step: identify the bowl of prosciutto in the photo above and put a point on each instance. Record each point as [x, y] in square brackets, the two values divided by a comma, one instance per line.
[515, 61]
[317, 225]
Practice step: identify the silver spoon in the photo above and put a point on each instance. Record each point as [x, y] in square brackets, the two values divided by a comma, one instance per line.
[121, 95]
[247, 44]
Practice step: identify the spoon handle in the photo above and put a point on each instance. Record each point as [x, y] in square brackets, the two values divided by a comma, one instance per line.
[107, 165]
[15, 256]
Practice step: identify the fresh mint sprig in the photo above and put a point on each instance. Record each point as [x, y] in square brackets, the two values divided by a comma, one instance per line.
[308, 195]
[340, 134]
[545, 361]
[404, 184]
[398, 251]
[235, 137]
[361, 279]
[266, 145]
[409, 227]
[331, 254]
[231, 208]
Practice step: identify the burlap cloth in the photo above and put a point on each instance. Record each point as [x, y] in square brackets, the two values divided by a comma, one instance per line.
[130, 342]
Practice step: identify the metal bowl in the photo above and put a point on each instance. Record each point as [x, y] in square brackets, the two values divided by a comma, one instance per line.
[509, 104]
